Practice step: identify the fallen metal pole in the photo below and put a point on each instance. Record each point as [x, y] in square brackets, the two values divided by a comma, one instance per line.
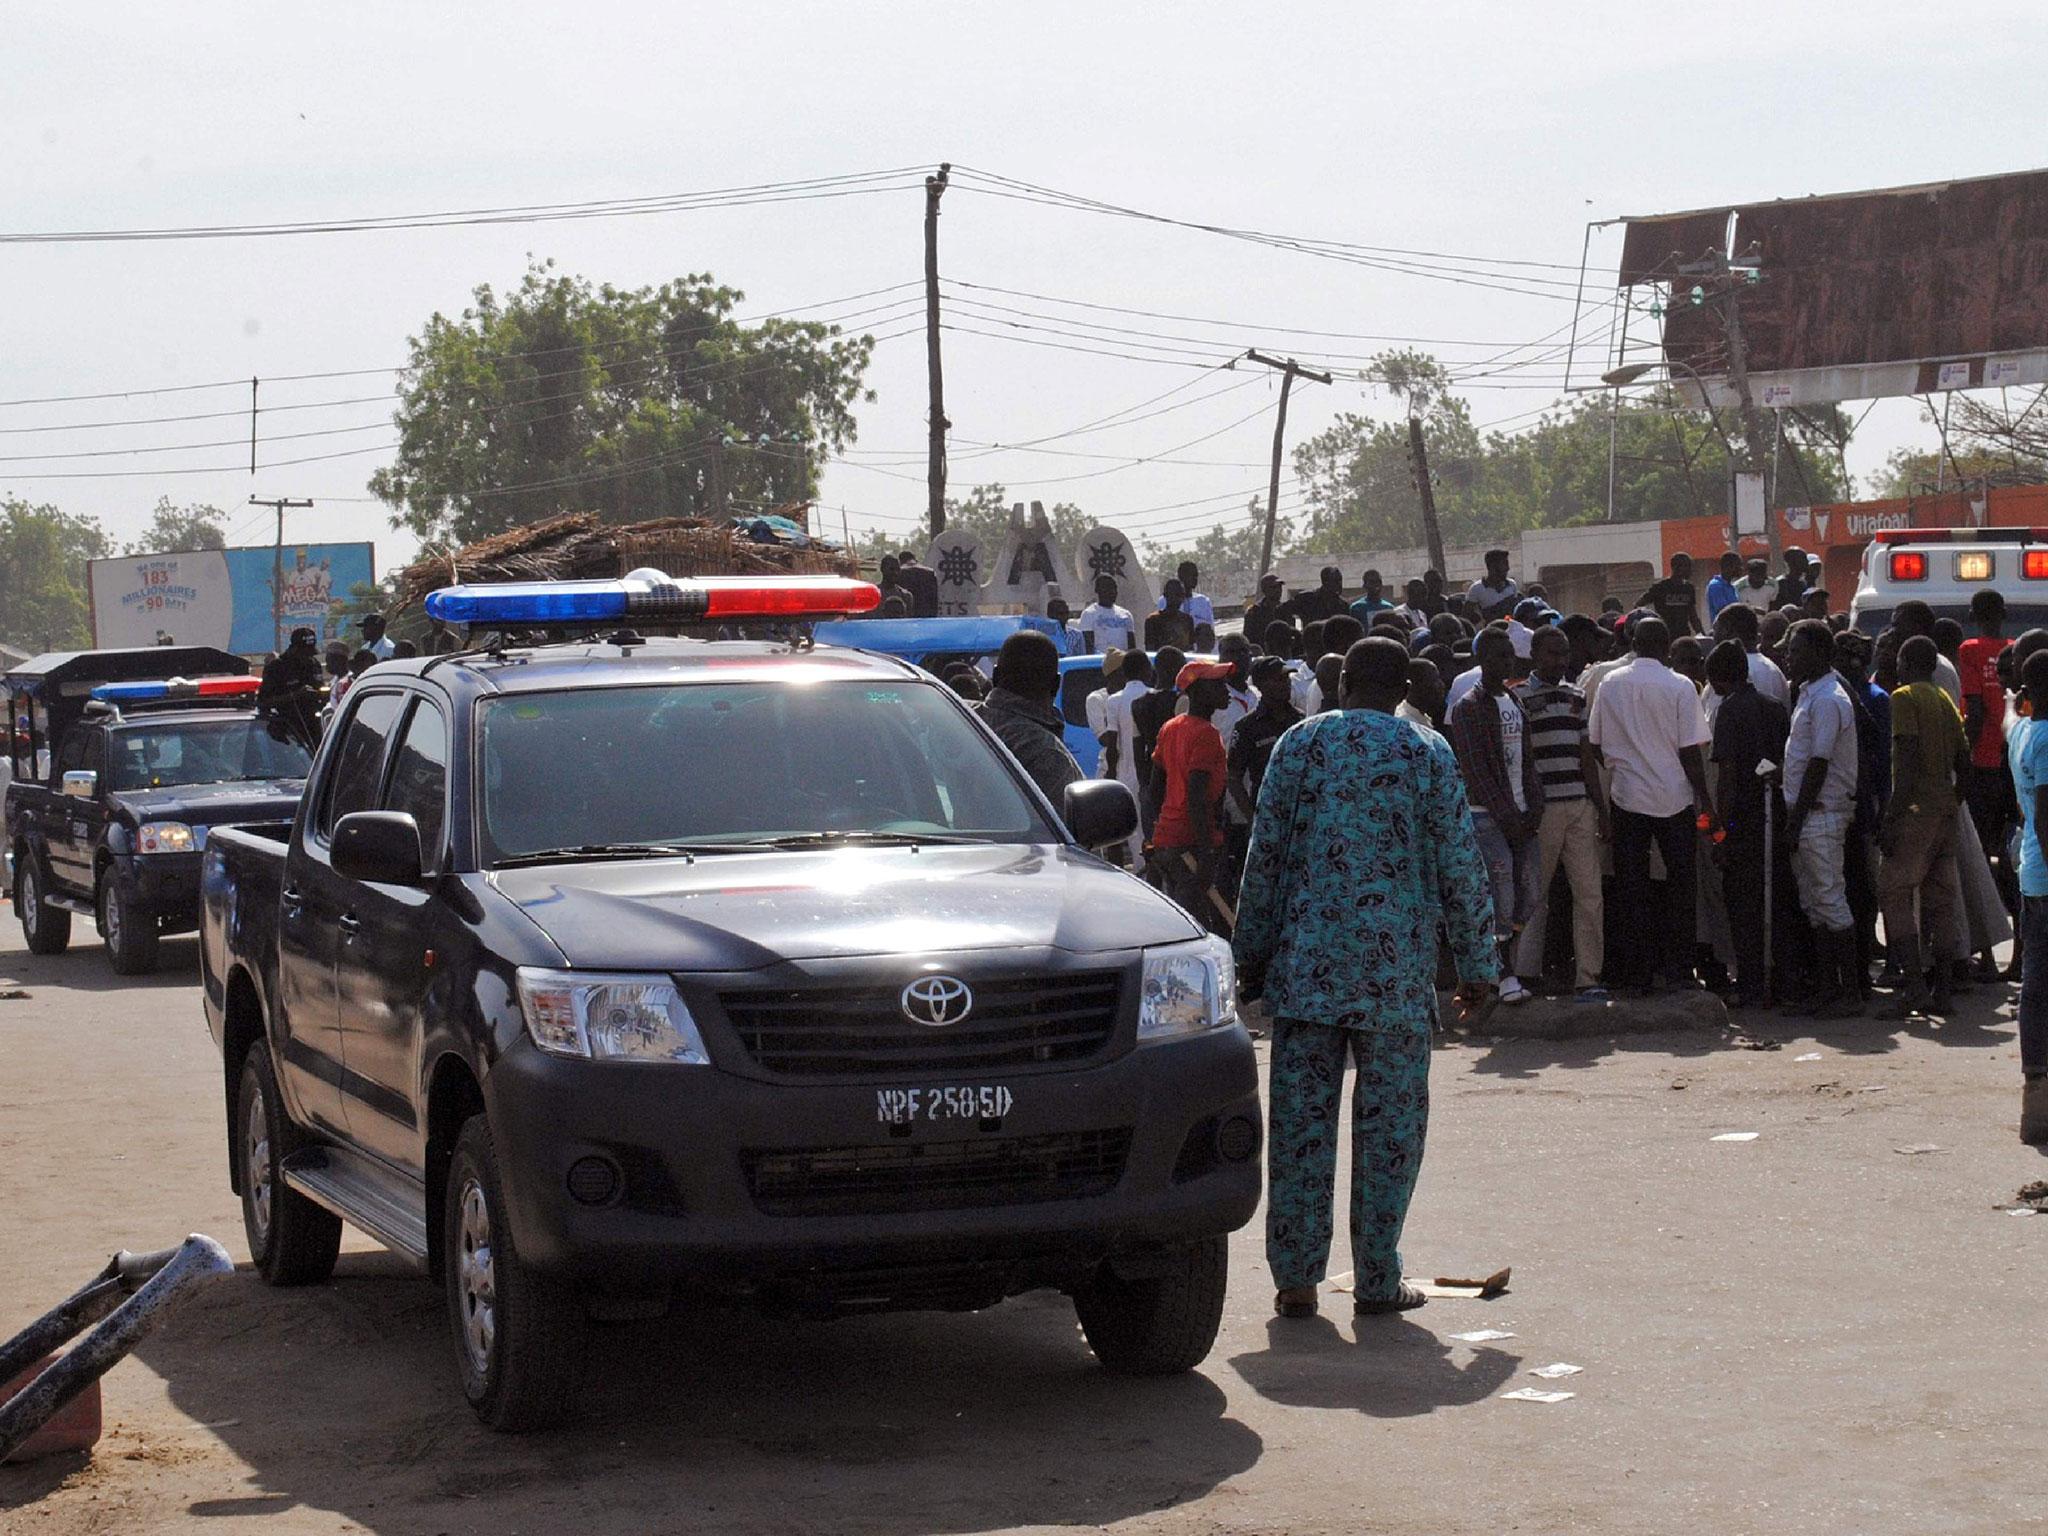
[152, 1283]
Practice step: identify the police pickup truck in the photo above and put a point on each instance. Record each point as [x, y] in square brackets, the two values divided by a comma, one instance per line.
[122, 762]
[593, 972]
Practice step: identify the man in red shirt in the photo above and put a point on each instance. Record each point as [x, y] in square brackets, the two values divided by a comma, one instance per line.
[1990, 788]
[1190, 773]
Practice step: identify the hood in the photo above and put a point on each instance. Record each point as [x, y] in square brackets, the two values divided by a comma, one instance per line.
[744, 911]
[210, 804]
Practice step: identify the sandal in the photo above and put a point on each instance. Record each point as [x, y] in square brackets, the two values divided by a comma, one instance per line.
[1405, 1299]
[1295, 1301]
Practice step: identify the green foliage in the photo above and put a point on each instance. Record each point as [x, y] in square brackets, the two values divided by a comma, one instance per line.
[173, 528]
[633, 403]
[1668, 462]
[984, 512]
[1227, 555]
[43, 602]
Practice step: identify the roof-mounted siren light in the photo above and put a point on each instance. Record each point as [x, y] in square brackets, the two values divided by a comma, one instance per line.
[176, 688]
[654, 597]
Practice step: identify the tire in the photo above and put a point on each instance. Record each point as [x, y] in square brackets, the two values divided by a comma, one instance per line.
[129, 929]
[292, 1240]
[518, 1335]
[1163, 1326]
[46, 928]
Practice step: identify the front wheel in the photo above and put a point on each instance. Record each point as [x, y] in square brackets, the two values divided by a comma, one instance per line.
[519, 1335]
[46, 928]
[292, 1240]
[129, 929]
[1159, 1326]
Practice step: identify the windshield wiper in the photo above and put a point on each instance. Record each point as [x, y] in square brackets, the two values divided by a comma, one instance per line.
[585, 851]
[858, 839]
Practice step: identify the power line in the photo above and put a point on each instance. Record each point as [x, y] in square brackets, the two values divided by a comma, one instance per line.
[863, 183]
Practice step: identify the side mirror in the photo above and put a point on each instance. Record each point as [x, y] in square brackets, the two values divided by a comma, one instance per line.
[378, 848]
[1100, 812]
[81, 783]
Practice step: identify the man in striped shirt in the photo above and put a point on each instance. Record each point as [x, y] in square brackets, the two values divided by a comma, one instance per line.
[1574, 825]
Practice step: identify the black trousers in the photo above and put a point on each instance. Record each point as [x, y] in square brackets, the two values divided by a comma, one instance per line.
[1657, 930]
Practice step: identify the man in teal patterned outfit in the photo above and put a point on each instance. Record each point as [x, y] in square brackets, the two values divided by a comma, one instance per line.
[1362, 846]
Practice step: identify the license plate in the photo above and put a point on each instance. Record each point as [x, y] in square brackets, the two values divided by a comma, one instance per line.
[905, 1106]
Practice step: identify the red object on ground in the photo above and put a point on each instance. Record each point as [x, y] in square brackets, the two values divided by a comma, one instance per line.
[75, 1427]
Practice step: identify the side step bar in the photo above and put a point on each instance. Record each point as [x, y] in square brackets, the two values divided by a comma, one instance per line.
[72, 904]
[364, 1193]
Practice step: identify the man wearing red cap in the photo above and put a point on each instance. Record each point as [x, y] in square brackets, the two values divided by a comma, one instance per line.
[1190, 772]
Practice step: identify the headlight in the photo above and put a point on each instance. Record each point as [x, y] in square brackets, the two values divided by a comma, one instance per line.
[1189, 989]
[609, 1018]
[165, 837]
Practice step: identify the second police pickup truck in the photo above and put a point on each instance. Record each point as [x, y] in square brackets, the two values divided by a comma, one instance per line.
[594, 972]
[123, 761]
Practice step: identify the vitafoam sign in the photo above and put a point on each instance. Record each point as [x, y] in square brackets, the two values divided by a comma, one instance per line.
[223, 596]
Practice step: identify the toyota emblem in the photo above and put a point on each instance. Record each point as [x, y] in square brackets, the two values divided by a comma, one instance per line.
[937, 1000]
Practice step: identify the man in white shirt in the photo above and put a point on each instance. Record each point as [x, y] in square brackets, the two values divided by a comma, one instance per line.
[1129, 682]
[1105, 626]
[1650, 731]
[1756, 590]
[1195, 604]
[375, 641]
[1820, 778]
[1496, 592]
[1739, 622]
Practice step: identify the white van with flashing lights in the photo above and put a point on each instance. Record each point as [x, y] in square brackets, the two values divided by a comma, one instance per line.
[1946, 567]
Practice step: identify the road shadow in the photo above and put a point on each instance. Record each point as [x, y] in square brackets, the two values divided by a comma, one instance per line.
[1516, 1057]
[84, 967]
[342, 1398]
[1395, 1368]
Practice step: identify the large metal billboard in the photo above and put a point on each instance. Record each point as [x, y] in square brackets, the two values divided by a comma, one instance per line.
[224, 597]
[1895, 292]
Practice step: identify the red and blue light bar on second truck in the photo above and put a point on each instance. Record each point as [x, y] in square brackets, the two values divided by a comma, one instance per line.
[177, 688]
[652, 596]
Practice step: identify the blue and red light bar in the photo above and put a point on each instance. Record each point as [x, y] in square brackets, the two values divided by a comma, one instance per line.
[654, 597]
[177, 688]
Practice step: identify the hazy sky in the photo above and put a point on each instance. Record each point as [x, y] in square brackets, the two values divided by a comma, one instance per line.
[1486, 130]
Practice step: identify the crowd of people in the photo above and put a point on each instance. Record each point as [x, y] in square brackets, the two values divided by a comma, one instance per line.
[1723, 789]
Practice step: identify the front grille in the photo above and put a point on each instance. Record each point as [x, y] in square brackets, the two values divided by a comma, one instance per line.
[861, 1031]
[936, 1176]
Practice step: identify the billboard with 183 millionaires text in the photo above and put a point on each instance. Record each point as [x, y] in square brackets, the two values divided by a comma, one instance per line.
[224, 597]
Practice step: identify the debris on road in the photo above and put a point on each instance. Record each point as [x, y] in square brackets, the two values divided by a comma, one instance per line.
[1757, 1043]
[1809, 1056]
[1532, 1395]
[1482, 1335]
[1553, 1372]
[1493, 1285]
[1920, 1150]
[1735, 1136]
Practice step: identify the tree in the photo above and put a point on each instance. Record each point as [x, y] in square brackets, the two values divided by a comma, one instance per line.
[633, 403]
[43, 552]
[1227, 555]
[1669, 462]
[173, 528]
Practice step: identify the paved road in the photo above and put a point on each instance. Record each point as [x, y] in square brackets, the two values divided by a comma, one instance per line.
[1810, 1332]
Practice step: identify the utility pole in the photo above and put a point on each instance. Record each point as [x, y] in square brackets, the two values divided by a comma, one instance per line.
[1728, 286]
[1418, 465]
[277, 504]
[935, 473]
[1289, 370]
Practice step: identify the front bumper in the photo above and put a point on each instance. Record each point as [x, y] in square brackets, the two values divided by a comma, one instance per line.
[161, 885]
[689, 1209]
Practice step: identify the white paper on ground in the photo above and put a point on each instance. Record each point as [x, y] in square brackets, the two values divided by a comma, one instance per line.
[1531, 1395]
[1482, 1336]
[1553, 1372]
[1736, 1136]
[1809, 1056]
[2022, 1210]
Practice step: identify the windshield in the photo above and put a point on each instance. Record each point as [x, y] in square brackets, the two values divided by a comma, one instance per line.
[207, 752]
[738, 764]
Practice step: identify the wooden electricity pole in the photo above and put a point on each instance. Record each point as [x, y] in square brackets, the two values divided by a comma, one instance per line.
[935, 474]
[1418, 465]
[1289, 370]
[277, 504]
